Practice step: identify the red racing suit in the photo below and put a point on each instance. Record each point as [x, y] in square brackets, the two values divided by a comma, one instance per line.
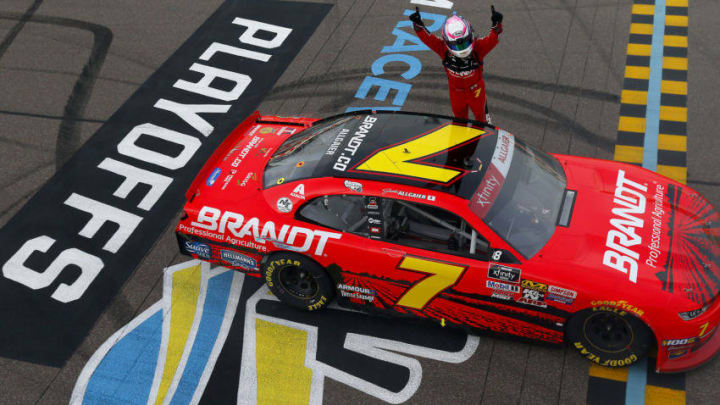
[465, 79]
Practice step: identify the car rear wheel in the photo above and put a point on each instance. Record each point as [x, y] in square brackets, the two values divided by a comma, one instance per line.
[609, 336]
[298, 281]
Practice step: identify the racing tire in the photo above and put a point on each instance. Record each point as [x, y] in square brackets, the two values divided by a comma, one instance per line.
[298, 281]
[609, 336]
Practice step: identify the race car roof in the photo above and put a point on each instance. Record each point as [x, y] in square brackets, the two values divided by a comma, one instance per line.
[427, 151]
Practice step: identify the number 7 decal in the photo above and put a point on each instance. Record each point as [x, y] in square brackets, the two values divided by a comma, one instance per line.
[441, 276]
[400, 159]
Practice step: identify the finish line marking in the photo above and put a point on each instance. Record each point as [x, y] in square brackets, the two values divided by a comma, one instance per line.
[652, 132]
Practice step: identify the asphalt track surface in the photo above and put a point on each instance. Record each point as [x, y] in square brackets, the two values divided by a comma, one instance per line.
[554, 80]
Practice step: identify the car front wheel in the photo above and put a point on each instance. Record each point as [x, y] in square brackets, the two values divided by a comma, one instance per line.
[298, 281]
[609, 336]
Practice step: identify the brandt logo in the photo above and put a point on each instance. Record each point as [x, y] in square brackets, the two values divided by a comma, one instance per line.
[629, 211]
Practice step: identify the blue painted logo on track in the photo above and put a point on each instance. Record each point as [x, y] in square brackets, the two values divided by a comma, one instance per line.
[213, 177]
[199, 248]
[238, 259]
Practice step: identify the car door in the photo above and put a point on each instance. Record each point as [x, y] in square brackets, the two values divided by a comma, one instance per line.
[416, 260]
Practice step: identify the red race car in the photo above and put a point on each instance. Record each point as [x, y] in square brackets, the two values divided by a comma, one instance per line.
[425, 217]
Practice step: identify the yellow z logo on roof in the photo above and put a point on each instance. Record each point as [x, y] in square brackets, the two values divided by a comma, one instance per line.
[400, 159]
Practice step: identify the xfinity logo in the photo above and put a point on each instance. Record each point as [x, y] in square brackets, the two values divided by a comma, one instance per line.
[627, 218]
[294, 238]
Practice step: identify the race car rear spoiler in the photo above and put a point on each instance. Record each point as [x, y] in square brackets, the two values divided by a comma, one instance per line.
[220, 152]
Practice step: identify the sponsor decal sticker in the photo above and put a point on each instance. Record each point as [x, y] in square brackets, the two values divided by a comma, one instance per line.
[287, 130]
[372, 203]
[248, 177]
[500, 295]
[494, 178]
[93, 223]
[563, 292]
[419, 196]
[284, 204]
[503, 273]
[559, 298]
[628, 213]
[674, 354]
[532, 297]
[199, 248]
[267, 130]
[296, 238]
[352, 291]
[337, 142]
[212, 178]
[679, 342]
[237, 259]
[352, 146]
[622, 304]
[354, 186]
[534, 285]
[494, 285]
[298, 192]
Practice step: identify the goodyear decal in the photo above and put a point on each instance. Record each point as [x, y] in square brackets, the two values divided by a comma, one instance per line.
[218, 337]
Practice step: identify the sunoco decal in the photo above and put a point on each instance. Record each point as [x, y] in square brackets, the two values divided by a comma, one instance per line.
[94, 221]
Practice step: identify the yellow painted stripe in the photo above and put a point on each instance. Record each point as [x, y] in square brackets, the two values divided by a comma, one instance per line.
[632, 124]
[673, 113]
[663, 396]
[637, 72]
[673, 87]
[629, 154]
[670, 62]
[633, 97]
[638, 49]
[676, 173]
[185, 290]
[609, 373]
[647, 9]
[676, 143]
[637, 28]
[676, 3]
[282, 377]
[676, 20]
[675, 40]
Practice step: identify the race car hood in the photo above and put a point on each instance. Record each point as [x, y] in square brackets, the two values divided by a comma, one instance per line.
[642, 229]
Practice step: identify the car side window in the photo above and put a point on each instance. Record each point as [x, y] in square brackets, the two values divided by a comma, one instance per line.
[345, 213]
[432, 228]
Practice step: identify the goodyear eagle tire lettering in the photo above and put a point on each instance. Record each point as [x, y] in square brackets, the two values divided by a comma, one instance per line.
[298, 281]
[609, 336]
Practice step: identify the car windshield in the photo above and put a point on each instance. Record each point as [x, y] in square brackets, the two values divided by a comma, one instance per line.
[520, 195]
[298, 156]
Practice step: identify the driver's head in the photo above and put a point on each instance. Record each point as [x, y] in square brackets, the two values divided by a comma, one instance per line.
[458, 36]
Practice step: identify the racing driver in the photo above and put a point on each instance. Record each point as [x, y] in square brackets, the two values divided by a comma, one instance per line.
[462, 55]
